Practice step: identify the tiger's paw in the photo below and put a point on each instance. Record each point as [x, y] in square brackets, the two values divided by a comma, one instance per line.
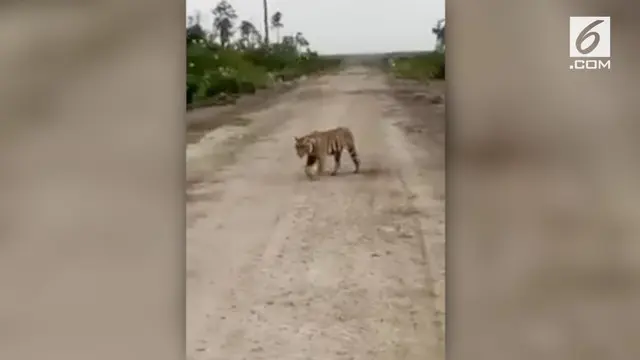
[309, 174]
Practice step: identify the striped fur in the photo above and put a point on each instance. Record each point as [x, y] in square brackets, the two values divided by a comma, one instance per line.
[319, 144]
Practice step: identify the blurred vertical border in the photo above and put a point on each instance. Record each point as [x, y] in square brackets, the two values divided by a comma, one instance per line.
[92, 181]
[544, 203]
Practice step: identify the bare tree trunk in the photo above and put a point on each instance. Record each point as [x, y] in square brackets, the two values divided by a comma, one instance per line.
[266, 22]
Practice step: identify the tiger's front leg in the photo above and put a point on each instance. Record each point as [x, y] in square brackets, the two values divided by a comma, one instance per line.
[308, 169]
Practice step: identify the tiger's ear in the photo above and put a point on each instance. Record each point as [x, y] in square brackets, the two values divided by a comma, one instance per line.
[296, 138]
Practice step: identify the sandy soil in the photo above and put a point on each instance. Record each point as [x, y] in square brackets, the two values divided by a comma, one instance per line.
[346, 267]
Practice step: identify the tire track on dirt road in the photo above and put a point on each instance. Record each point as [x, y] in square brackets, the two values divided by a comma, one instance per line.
[283, 268]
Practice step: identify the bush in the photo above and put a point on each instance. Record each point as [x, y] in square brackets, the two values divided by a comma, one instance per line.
[191, 93]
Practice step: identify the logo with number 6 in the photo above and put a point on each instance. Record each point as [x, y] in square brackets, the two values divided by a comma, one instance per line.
[589, 36]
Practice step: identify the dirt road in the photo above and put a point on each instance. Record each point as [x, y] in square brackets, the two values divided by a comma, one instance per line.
[346, 267]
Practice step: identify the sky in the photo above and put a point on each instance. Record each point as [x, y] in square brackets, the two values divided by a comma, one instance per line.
[344, 26]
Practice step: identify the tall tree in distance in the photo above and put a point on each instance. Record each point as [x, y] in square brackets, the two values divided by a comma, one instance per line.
[224, 16]
[276, 23]
[438, 30]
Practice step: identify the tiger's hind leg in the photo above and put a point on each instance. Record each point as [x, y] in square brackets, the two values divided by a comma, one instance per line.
[336, 160]
[321, 164]
[354, 156]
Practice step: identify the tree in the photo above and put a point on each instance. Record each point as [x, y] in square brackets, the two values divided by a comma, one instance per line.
[438, 30]
[224, 16]
[276, 23]
[249, 35]
[288, 47]
[289, 42]
[301, 41]
[195, 32]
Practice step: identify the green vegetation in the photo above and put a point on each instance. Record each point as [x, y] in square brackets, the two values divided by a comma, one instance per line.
[231, 61]
[421, 66]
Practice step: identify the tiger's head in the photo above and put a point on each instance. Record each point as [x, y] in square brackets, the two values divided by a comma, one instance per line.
[303, 146]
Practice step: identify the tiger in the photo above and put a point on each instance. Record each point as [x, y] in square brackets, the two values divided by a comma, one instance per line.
[318, 144]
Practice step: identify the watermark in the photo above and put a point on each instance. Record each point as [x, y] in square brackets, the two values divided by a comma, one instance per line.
[590, 43]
